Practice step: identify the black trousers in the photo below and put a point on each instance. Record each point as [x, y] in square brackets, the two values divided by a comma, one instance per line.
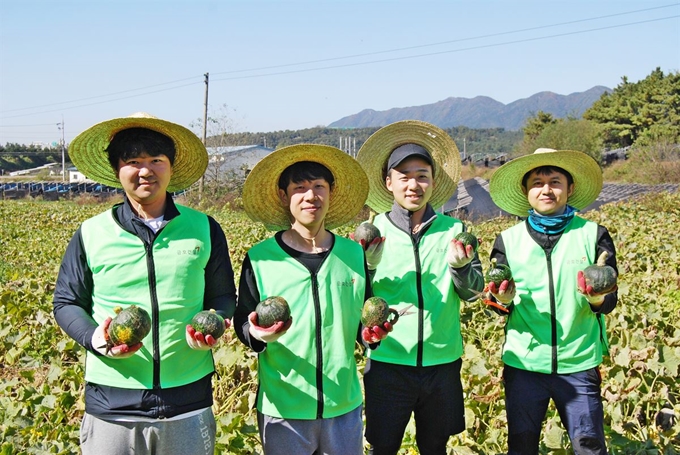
[434, 395]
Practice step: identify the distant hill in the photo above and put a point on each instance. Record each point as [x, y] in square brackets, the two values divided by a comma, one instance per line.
[479, 112]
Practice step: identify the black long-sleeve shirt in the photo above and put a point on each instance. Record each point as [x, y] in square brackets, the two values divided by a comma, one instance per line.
[72, 306]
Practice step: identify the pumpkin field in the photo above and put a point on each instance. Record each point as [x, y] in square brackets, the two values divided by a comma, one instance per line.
[41, 369]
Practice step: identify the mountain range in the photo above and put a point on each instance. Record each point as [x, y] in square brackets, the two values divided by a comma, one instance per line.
[480, 111]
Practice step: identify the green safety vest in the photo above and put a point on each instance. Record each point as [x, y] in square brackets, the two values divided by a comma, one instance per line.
[419, 275]
[310, 372]
[552, 328]
[168, 281]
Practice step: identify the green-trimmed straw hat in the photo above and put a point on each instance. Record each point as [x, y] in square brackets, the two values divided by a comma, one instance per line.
[261, 190]
[375, 152]
[505, 186]
[88, 150]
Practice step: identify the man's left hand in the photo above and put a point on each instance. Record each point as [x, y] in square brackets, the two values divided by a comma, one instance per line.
[376, 333]
[200, 342]
[459, 255]
[593, 298]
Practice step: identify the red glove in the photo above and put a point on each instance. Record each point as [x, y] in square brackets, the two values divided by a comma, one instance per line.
[459, 255]
[376, 333]
[196, 340]
[587, 290]
[505, 293]
[267, 334]
[102, 344]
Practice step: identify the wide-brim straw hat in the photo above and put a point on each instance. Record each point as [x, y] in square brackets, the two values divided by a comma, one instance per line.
[375, 152]
[261, 190]
[505, 186]
[88, 150]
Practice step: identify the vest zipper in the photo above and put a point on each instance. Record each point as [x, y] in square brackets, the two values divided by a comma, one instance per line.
[319, 344]
[553, 312]
[421, 303]
[155, 329]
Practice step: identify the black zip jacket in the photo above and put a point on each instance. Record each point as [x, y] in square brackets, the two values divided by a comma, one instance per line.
[73, 308]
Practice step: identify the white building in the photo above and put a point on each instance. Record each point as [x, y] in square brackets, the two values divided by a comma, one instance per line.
[236, 160]
[75, 176]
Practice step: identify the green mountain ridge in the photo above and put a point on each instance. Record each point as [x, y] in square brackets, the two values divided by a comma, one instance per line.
[479, 112]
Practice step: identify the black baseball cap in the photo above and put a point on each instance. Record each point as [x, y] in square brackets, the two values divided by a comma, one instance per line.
[402, 152]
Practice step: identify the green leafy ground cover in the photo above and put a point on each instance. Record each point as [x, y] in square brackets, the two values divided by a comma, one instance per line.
[41, 369]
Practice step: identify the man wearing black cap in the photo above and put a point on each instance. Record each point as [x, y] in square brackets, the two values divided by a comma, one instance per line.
[416, 370]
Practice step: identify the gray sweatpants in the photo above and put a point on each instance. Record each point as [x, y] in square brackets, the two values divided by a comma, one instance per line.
[193, 435]
[340, 435]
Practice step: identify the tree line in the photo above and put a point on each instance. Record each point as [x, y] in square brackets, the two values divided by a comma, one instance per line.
[636, 114]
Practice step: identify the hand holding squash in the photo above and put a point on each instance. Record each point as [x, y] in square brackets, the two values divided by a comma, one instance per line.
[504, 292]
[376, 333]
[205, 330]
[597, 280]
[268, 334]
[101, 342]
[459, 254]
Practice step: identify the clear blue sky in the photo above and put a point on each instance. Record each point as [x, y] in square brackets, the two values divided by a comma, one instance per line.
[280, 65]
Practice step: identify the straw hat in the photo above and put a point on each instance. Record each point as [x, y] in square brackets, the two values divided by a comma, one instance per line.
[261, 190]
[375, 152]
[505, 186]
[89, 155]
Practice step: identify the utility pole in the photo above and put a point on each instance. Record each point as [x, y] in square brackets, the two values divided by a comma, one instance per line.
[63, 150]
[205, 131]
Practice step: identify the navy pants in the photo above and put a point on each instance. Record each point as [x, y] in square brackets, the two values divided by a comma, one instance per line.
[578, 402]
[434, 395]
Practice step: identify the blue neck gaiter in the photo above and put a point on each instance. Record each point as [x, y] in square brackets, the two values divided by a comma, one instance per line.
[551, 224]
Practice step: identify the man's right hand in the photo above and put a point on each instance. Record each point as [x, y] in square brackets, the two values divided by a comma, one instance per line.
[505, 292]
[268, 334]
[101, 344]
[374, 252]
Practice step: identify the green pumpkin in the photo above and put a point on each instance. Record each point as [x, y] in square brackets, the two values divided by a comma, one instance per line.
[208, 322]
[367, 232]
[468, 238]
[600, 276]
[130, 326]
[497, 273]
[272, 310]
[376, 311]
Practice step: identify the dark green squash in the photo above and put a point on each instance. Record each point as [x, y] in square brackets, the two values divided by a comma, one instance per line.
[272, 310]
[600, 276]
[367, 232]
[497, 273]
[376, 311]
[130, 326]
[467, 238]
[208, 322]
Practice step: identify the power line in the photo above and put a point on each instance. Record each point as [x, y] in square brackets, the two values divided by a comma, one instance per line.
[101, 96]
[485, 46]
[99, 102]
[353, 64]
[491, 35]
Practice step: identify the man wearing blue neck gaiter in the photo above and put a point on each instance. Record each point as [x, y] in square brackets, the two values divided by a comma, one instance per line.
[555, 331]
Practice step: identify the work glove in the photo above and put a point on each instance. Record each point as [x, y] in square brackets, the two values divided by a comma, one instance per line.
[505, 292]
[376, 333]
[587, 290]
[269, 334]
[458, 255]
[198, 341]
[101, 343]
[374, 252]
